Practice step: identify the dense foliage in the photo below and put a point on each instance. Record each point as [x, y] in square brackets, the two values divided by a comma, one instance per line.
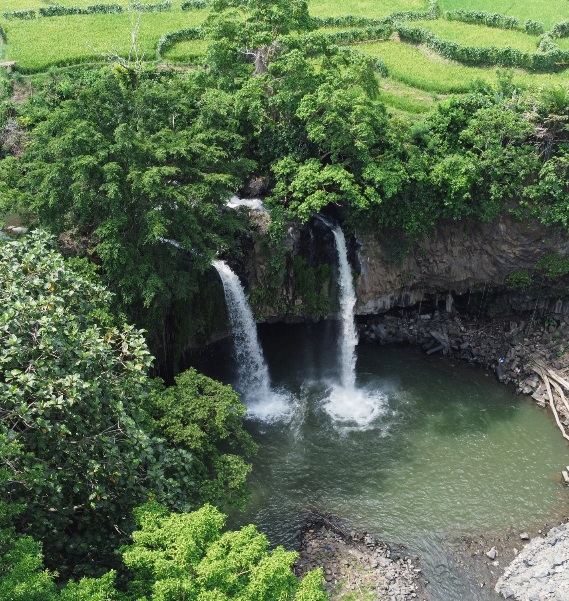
[172, 557]
[82, 421]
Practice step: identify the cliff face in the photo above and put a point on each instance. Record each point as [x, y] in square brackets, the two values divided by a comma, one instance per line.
[454, 259]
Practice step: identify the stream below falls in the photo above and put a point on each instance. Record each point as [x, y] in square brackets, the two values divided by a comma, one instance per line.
[445, 451]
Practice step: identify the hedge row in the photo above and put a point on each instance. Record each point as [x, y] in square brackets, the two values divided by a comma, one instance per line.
[561, 29]
[555, 60]
[173, 37]
[479, 17]
[349, 21]
[3, 37]
[57, 10]
[192, 4]
[152, 8]
[381, 32]
[28, 15]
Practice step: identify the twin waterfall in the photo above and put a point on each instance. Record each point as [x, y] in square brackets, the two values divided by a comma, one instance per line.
[344, 402]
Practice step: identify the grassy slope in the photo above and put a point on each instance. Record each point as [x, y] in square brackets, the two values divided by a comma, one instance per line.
[547, 11]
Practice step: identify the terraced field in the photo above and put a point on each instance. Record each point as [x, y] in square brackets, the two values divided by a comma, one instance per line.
[418, 71]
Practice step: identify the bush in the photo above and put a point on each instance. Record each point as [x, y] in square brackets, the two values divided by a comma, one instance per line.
[533, 27]
[483, 18]
[173, 37]
[561, 29]
[359, 35]
[546, 44]
[194, 4]
[152, 8]
[20, 14]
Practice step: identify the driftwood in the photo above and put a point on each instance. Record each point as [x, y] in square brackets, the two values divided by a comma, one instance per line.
[543, 372]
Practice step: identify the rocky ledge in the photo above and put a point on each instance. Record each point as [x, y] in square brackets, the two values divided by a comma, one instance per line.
[540, 571]
[509, 347]
[356, 565]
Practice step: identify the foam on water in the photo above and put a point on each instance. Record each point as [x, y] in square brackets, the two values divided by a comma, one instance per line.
[355, 408]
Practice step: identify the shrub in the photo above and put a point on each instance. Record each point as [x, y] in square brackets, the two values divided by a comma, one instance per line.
[20, 14]
[104, 9]
[533, 27]
[359, 35]
[173, 37]
[561, 29]
[479, 17]
[546, 44]
[194, 4]
[60, 11]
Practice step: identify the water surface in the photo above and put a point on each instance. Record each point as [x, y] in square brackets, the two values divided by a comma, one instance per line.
[450, 452]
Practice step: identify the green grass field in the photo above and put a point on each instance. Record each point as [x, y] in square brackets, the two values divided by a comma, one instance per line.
[413, 67]
[38, 44]
[547, 11]
[478, 35]
[364, 8]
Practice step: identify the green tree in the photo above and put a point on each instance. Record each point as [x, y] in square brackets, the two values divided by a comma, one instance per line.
[183, 556]
[74, 385]
[135, 175]
[205, 417]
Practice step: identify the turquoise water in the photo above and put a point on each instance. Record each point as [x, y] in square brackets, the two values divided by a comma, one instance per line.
[450, 452]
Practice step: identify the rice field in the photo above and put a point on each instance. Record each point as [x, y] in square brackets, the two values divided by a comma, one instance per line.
[363, 8]
[430, 73]
[416, 75]
[36, 45]
[479, 35]
[546, 11]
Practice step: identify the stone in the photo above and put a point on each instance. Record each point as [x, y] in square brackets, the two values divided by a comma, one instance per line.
[492, 554]
[524, 536]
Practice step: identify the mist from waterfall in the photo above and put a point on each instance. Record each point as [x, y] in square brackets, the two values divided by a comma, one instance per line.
[253, 381]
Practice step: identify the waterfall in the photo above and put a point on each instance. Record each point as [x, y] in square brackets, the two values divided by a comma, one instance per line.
[253, 375]
[349, 337]
[347, 405]
[253, 380]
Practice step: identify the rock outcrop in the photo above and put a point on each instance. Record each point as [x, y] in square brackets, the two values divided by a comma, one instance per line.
[539, 572]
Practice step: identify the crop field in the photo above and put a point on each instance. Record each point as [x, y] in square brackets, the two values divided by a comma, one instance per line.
[417, 75]
[549, 12]
[363, 8]
[479, 35]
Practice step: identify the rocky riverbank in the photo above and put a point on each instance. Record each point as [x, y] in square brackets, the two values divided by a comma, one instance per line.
[509, 347]
[356, 565]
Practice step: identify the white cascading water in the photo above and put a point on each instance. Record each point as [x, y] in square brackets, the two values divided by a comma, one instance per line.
[349, 338]
[346, 403]
[253, 375]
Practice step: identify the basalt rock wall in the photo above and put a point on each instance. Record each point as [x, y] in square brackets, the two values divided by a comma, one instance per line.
[392, 271]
